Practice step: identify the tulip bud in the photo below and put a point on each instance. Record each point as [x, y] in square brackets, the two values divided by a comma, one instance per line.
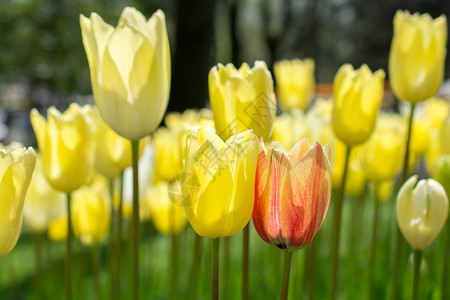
[417, 56]
[130, 84]
[92, 212]
[292, 193]
[381, 156]
[289, 128]
[422, 209]
[66, 145]
[169, 151]
[295, 82]
[242, 99]
[357, 98]
[43, 203]
[168, 217]
[218, 182]
[16, 169]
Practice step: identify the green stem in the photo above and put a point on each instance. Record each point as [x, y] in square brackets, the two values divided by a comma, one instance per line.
[399, 237]
[69, 251]
[373, 246]
[226, 266]
[116, 293]
[286, 273]
[310, 268]
[446, 264]
[337, 227]
[112, 257]
[195, 264]
[37, 264]
[96, 268]
[173, 267]
[416, 279]
[245, 253]
[215, 246]
[135, 222]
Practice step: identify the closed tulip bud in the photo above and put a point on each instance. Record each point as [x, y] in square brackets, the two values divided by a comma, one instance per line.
[292, 193]
[355, 184]
[66, 145]
[381, 156]
[417, 56]
[167, 216]
[295, 82]
[43, 203]
[357, 98]
[384, 190]
[92, 212]
[289, 128]
[169, 153]
[57, 229]
[242, 99]
[218, 182]
[130, 84]
[422, 209]
[16, 169]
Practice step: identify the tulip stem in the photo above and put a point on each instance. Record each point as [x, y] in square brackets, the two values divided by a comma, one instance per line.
[135, 222]
[399, 237]
[245, 252]
[96, 269]
[196, 260]
[337, 227]
[37, 263]
[446, 264]
[286, 274]
[215, 246]
[173, 266]
[69, 251]
[373, 246]
[116, 294]
[416, 279]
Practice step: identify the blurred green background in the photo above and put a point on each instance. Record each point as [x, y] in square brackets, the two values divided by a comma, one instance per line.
[42, 60]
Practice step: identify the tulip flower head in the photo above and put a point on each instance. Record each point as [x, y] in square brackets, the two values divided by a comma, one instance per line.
[130, 70]
[43, 203]
[66, 145]
[292, 193]
[417, 56]
[295, 82]
[422, 209]
[16, 169]
[242, 99]
[357, 98]
[218, 182]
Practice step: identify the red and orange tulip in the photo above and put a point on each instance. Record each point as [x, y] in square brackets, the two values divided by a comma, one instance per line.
[292, 193]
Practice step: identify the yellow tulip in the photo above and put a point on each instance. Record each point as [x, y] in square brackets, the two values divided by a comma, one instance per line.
[318, 118]
[357, 98]
[384, 190]
[16, 169]
[355, 184]
[242, 99]
[130, 70]
[382, 155]
[422, 209]
[289, 128]
[57, 229]
[43, 203]
[168, 217]
[169, 152]
[417, 56]
[189, 119]
[219, 182]
[92, 212]
[66, 145]
[295, 82]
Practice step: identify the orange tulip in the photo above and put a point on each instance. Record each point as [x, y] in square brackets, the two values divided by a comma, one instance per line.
[292, 193]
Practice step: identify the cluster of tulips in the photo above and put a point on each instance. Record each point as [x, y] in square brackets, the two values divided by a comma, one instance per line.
[219, 168]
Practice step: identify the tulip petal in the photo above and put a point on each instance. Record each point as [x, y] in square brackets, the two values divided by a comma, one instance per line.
[299, 150]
